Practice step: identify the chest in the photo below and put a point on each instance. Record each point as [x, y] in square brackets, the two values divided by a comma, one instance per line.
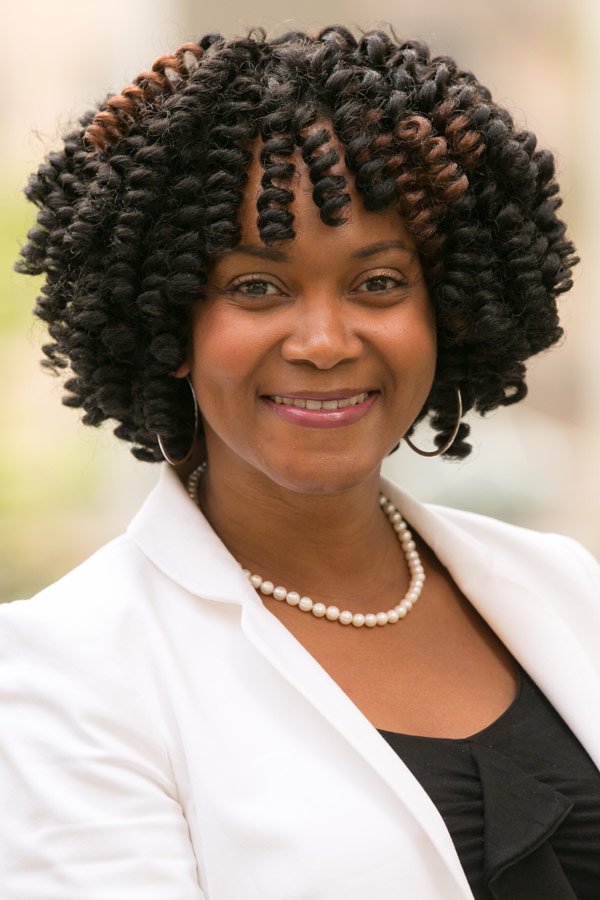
[440, 672]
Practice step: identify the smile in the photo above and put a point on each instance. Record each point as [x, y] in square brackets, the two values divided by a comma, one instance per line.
[332, 412]
[308, 403]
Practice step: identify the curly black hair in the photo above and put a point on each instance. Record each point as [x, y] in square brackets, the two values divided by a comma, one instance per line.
[149, 188]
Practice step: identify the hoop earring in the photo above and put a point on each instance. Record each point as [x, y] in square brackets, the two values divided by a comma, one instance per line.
[450, 440]
[170, 459]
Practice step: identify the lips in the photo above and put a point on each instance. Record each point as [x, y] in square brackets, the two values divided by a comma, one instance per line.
[315, 404]
[331, 410]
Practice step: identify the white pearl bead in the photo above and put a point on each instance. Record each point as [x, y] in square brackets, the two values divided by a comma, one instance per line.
[267, 587]
[320, 610]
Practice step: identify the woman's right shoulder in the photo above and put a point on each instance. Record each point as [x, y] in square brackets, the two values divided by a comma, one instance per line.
[92, 598]
[85, 746]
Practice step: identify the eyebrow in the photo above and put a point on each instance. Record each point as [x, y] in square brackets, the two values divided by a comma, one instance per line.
[379, 247]
[264, 252]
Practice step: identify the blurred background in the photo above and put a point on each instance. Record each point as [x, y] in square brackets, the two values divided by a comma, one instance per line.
[66, 489]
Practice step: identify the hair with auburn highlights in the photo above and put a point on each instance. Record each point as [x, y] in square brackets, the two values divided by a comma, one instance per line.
[149, 187]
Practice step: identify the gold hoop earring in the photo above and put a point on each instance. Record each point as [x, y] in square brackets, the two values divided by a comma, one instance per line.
[450, 440]
[170, 459]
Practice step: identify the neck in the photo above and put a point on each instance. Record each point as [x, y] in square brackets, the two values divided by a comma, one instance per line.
[334, 544]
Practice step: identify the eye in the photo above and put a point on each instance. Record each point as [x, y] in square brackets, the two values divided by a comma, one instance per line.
[380, 283]
[254, 286]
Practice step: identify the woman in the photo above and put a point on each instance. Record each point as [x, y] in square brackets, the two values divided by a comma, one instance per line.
[267, 260]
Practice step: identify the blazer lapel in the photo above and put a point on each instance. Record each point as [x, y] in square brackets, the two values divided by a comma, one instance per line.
[294, 663]
[531, 616]
[548, 649]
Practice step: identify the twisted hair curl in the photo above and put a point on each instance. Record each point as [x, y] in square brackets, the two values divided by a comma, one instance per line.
[150, 185]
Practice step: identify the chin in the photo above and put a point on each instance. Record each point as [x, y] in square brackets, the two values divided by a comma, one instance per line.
[332, 476]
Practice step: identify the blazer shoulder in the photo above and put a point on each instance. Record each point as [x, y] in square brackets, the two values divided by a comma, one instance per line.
[89, 599]
[525, 548]
[86, 751]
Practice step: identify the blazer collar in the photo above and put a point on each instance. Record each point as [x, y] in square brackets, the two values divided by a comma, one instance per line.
[520, 606]
[174, 534]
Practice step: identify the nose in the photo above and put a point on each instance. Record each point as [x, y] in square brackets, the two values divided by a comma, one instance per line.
[323, 334]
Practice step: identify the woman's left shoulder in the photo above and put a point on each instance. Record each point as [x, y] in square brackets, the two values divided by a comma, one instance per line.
[454, 532]
[533, 548]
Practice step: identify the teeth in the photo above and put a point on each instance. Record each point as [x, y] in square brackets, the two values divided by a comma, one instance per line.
[320, 404]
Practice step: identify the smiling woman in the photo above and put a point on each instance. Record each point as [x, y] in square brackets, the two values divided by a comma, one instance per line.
[290, 678]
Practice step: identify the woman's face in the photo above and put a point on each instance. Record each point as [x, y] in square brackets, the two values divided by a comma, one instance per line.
[312, 358]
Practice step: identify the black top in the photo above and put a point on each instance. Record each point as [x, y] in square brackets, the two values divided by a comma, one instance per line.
[521, 800]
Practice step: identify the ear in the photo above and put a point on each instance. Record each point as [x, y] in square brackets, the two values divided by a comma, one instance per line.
[183, 370]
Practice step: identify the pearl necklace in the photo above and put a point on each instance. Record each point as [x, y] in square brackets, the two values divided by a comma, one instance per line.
[332, 613]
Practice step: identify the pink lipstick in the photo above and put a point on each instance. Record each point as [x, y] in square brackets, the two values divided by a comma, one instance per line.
[321, 409]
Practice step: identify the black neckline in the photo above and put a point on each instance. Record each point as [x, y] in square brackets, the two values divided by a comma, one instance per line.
[478, 734]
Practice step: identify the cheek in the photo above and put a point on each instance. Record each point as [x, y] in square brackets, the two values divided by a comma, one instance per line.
[225, 354]
[411, 349]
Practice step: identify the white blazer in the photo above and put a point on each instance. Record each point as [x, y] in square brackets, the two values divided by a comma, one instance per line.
[164, 737]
